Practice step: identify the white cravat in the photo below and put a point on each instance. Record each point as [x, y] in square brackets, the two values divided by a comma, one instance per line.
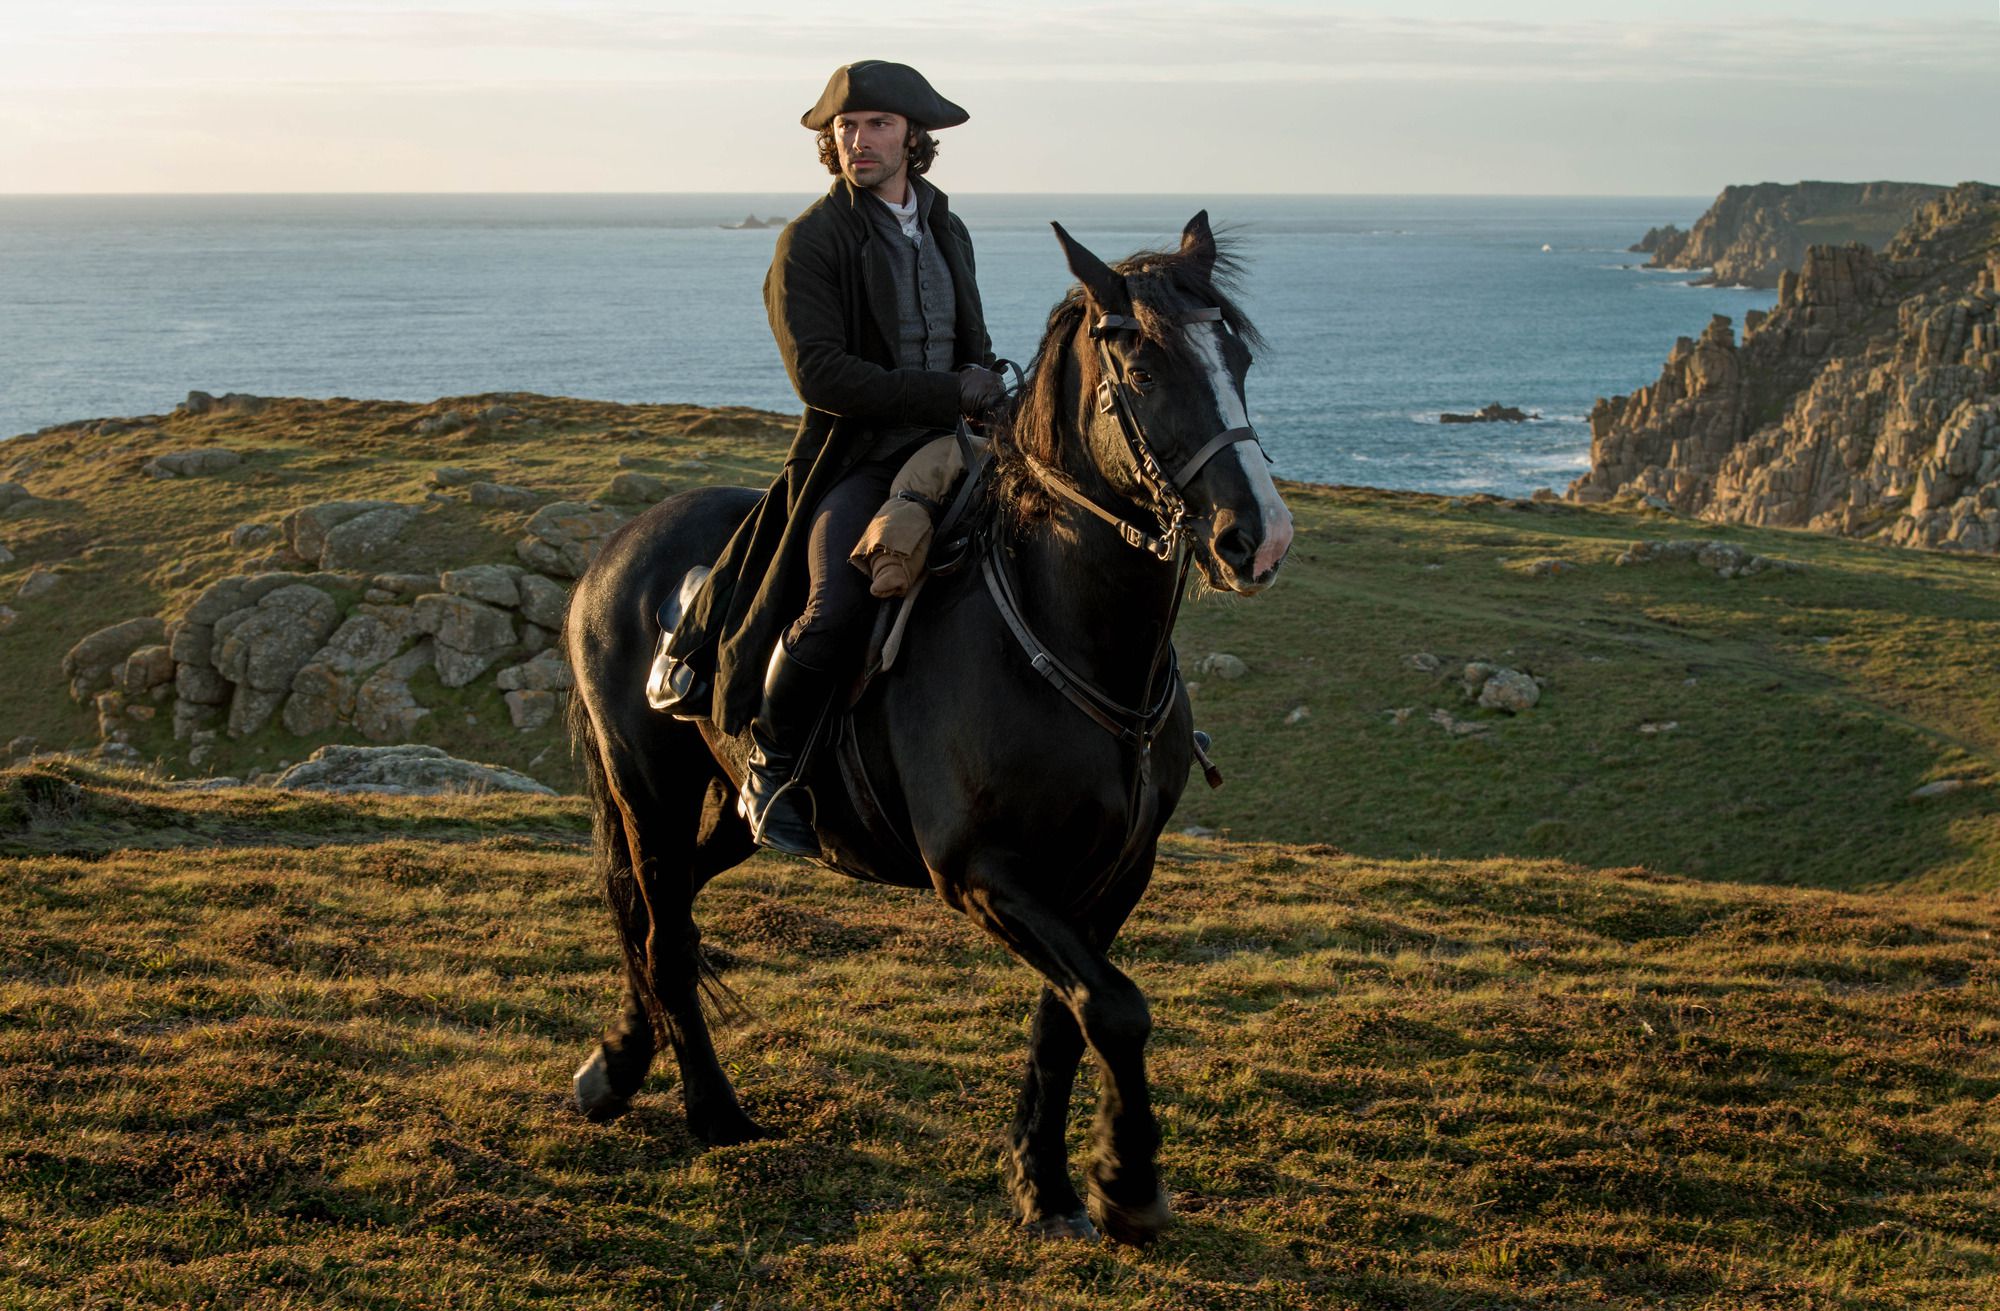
[906, 215]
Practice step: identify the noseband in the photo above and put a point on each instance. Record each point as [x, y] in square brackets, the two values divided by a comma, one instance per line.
[1114, 395]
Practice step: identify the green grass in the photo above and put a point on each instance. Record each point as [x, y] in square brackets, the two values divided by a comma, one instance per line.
[1818, 700]
[265, 1051]
[1809, 706]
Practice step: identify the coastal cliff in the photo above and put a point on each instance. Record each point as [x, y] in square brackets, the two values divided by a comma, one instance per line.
[1752, 234]
[1867, 403]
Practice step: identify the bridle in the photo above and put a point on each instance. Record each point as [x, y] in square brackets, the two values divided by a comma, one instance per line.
[1114, 397]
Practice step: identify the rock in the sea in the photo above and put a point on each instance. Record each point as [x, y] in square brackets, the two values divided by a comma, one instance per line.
[191, 464]
[88, 664]
[403, 769]
[1494, 413]
[561, 538]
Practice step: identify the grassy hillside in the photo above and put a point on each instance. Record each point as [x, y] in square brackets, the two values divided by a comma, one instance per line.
[263, 1050]
[1805, 707]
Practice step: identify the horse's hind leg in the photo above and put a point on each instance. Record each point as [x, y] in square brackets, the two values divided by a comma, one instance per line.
[674, 839]
[1125, 1195]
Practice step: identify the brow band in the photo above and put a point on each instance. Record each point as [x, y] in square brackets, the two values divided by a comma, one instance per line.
[1110, 323]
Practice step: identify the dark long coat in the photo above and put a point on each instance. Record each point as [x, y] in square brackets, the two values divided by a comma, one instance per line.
[831, 298]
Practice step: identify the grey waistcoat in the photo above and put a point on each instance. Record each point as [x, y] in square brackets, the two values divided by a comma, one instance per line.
[926, 313]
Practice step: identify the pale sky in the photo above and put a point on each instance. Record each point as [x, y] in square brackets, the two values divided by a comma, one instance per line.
[1674, 97]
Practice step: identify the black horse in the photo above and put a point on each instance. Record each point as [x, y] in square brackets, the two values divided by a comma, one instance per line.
[1024, 754]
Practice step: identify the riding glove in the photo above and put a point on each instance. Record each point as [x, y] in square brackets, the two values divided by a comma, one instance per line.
[979, 390]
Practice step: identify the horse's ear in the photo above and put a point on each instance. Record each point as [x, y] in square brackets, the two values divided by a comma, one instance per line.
[1198, 241]
[1107, 289]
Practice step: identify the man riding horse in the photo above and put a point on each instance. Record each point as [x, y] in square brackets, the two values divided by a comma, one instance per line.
[872, 300]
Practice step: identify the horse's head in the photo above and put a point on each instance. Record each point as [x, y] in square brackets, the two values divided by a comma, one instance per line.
[1164, 353]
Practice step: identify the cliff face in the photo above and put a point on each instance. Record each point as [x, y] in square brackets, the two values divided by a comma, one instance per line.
[1867, 403]
[1752, 234]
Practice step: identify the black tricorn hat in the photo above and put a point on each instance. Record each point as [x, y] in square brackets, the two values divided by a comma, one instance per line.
[878, 84]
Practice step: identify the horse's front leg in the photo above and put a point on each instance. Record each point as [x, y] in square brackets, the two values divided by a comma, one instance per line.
[1037, 1156]
[1125, 1195]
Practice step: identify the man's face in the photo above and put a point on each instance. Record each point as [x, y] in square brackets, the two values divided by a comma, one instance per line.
[873, 147]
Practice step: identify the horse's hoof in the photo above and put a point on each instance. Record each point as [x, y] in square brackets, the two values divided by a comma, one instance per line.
[1075, 1225]
[591, 1087]
[1135, 1226]
[726, 1129]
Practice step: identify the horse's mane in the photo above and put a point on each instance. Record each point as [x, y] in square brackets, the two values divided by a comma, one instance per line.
[1161, 282]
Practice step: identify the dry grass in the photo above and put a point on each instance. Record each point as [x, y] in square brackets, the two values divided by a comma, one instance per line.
[259, 1051]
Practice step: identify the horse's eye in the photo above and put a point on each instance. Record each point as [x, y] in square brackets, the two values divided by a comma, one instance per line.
[1140, 378]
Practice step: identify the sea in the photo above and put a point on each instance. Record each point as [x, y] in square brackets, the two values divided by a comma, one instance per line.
[1381, 312]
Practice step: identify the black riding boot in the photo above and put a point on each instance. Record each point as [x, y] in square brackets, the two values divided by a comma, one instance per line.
[778, 808]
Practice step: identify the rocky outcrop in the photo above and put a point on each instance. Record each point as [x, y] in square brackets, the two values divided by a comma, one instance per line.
[561, 538]
[1752, 234]
[1867, 403]
[401, 770]
[1663, 242]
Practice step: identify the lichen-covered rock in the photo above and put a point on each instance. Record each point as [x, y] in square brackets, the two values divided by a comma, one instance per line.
[492, 583]
[632, 485]
[191, 464]
[368, 540]
[547, 672]
[244, 536]
[463, 622]
[250, 708]
[560, 539]
[503, 496]
[447, 475]
[405, 769]
[200, 685]
[145, 669]
[1509, 690]
[88, 664]
[324, 689]
[385, 710]
[543, 600]
[263, 646]
[306, 528]
[530, 709]
[41, 580]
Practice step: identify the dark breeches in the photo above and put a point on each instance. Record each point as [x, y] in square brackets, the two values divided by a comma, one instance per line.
[839, 609]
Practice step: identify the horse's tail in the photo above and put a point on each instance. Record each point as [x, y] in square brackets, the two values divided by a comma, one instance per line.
[616, 874]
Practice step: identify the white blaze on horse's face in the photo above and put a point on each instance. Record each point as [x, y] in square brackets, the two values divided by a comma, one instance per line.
[1272, 513]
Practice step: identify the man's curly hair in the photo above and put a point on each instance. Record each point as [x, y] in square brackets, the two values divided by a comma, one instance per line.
[920, 147]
